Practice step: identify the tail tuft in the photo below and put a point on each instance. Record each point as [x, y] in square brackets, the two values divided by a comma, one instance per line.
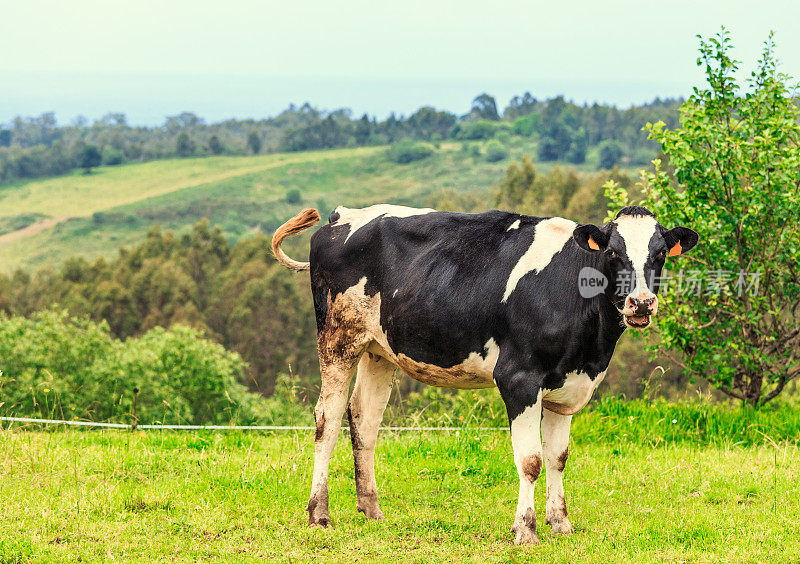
[297, 224]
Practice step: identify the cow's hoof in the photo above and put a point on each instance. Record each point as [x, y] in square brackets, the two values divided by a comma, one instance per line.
[371, 511]
[322, 521]
[525, 536]
[561, 526]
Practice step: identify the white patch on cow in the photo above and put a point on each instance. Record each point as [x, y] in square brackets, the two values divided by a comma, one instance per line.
[573, 395]
[514, 225]
[549, 237]
[358, 218]
[395, 293]
[636, 231]
[526, 439]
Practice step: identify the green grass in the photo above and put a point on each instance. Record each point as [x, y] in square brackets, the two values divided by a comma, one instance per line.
[96, 214]
[102, 496]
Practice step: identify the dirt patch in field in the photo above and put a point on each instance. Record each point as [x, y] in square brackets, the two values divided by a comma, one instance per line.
[32, 229]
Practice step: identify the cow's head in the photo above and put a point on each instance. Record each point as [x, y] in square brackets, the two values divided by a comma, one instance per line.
[633, 249]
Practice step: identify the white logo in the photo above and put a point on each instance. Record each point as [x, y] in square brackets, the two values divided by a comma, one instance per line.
[591, 282]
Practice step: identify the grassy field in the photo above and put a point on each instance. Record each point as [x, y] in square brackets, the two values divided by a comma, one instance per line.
[45, 221]
[161, 496]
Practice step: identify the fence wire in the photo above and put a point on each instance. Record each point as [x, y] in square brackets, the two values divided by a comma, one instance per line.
[225, 427]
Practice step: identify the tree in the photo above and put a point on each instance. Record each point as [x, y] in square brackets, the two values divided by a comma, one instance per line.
[254, 142]
[610, 154]
[484, 107]
[215, 145]
[90, 157]
[184, 145]
[736, 163]
[516, 185]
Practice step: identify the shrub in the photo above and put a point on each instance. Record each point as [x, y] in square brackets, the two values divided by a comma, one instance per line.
[407, 151]
[58, 366]
[496, 151]
[294, 196]
[112, 156]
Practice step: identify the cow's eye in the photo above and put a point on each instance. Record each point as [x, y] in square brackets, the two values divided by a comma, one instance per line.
[611, 254]
[662, 254]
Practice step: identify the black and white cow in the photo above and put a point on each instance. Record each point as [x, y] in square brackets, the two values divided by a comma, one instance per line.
[473, 301]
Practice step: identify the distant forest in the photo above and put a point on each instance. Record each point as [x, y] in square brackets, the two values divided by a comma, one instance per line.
[34, 147]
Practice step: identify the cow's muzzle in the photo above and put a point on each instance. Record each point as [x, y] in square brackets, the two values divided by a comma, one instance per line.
[638, 310]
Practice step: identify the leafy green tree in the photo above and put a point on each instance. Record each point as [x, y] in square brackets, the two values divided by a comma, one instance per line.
[184, 145]
[254, 142]
[90, 158]
[736, 163]
[215, 145]
[610, 154]
[484, 106]
[516, 185]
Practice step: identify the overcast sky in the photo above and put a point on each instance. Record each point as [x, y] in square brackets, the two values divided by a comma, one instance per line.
[251, 58]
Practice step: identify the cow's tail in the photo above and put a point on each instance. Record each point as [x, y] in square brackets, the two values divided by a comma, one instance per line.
[297, 224]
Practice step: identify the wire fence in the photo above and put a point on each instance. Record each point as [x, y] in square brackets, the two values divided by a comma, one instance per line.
[98, 424]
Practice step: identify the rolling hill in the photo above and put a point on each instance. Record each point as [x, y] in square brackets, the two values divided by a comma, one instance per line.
[45, 221]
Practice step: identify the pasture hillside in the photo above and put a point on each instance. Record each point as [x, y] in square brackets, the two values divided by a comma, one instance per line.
[45, 221]
[214, 497]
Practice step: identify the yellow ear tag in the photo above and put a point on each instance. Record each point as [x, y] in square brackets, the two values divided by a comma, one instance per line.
[676, 250]
[593, 245]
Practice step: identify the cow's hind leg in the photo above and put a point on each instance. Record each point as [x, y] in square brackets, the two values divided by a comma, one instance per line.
[365, 412]
[555, 439]
[340, 347]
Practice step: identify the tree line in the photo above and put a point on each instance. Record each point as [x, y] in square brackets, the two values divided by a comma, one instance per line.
[39, 146]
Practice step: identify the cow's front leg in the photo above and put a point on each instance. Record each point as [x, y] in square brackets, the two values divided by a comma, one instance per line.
[523, 398]
[555, 440]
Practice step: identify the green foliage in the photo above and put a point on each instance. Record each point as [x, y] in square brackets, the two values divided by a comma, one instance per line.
[112, 156]
[185, 145]
[56, 366]
[215, 145]
[480, 129]
[610, 154]
[734, 177]
[254, 142]
[239, 295]
[294, 196]
[496, 151]
[407, 151]
[560, 192]
[484, 106]
[90, 158]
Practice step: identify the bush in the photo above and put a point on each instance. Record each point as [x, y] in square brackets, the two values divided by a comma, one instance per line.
[294, 196]
[480, 129]
[407, 151]
[112, 156]
[69, 368]
[610, 154]
[495, 151]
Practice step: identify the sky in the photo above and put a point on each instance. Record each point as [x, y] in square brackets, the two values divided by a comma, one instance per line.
[251, 58]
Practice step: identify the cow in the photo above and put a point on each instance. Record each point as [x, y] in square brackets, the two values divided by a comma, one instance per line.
[456, 300]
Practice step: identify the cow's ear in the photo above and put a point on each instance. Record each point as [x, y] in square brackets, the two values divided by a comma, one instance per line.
[590, 238]
[680, 240]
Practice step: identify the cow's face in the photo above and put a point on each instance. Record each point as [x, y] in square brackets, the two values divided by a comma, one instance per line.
[633, 249]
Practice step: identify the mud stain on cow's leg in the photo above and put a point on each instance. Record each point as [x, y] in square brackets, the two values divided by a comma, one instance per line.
[555, 438]
[340, 343]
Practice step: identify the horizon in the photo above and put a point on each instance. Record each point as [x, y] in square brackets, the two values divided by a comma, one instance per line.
[252, 59]
[453, 95]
